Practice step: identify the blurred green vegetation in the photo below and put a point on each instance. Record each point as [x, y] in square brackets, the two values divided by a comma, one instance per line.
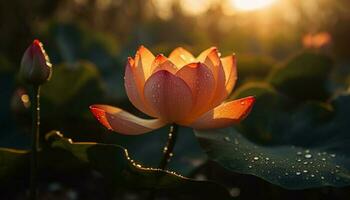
[88, 42]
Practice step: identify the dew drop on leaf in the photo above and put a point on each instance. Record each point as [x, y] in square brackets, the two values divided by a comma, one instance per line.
[308, 156]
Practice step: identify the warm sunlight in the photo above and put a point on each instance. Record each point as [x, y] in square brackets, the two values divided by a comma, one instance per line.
[248, 5]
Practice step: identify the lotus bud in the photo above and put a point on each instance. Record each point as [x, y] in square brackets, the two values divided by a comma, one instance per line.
[35, 68]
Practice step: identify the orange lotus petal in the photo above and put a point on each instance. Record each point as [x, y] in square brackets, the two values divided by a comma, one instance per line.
[229, 64]
[202, 83]
[163, 63]
[214, 63]
[180, 57]
[169, 96]
[134, 88]
[225, 115]
[123, 122]
[203, 55]
[143, 62]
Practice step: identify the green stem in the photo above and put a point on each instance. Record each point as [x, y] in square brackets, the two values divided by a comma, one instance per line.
[168, 153]
[169, 147]
[35, 142]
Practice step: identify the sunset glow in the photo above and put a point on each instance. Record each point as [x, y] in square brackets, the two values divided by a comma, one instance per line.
[249, 5]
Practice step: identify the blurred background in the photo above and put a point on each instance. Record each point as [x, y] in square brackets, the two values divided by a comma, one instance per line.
[88, 42]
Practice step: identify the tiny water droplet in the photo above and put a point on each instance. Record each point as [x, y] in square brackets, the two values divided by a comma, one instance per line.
[308, 156]
[305, 171]
[298, 173]
[312, 175]
[322, 177]
[249, 166]
[332, 155]
[256, 158]
[227, 139]
[299, 160]
[236, 141]
[307, 151]
[305, 163]
[299, 153]
[323, 159]
[242, 102]
[267, 158]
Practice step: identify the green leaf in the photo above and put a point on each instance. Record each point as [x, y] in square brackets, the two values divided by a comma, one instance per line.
[114, 163]
[285, 165]
[307, 145]
[303, 76]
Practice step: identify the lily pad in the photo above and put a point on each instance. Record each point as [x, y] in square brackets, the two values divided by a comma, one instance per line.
[286, 165]
[114, 163]
[310, 148]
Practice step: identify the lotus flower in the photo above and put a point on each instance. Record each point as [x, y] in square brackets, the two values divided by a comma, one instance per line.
[179, 89]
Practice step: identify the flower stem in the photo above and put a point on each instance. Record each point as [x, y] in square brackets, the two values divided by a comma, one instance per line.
[169, 147]
[168, 153]
[35, 142]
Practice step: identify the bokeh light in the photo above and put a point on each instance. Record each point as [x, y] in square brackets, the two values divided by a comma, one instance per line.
[249, 5]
